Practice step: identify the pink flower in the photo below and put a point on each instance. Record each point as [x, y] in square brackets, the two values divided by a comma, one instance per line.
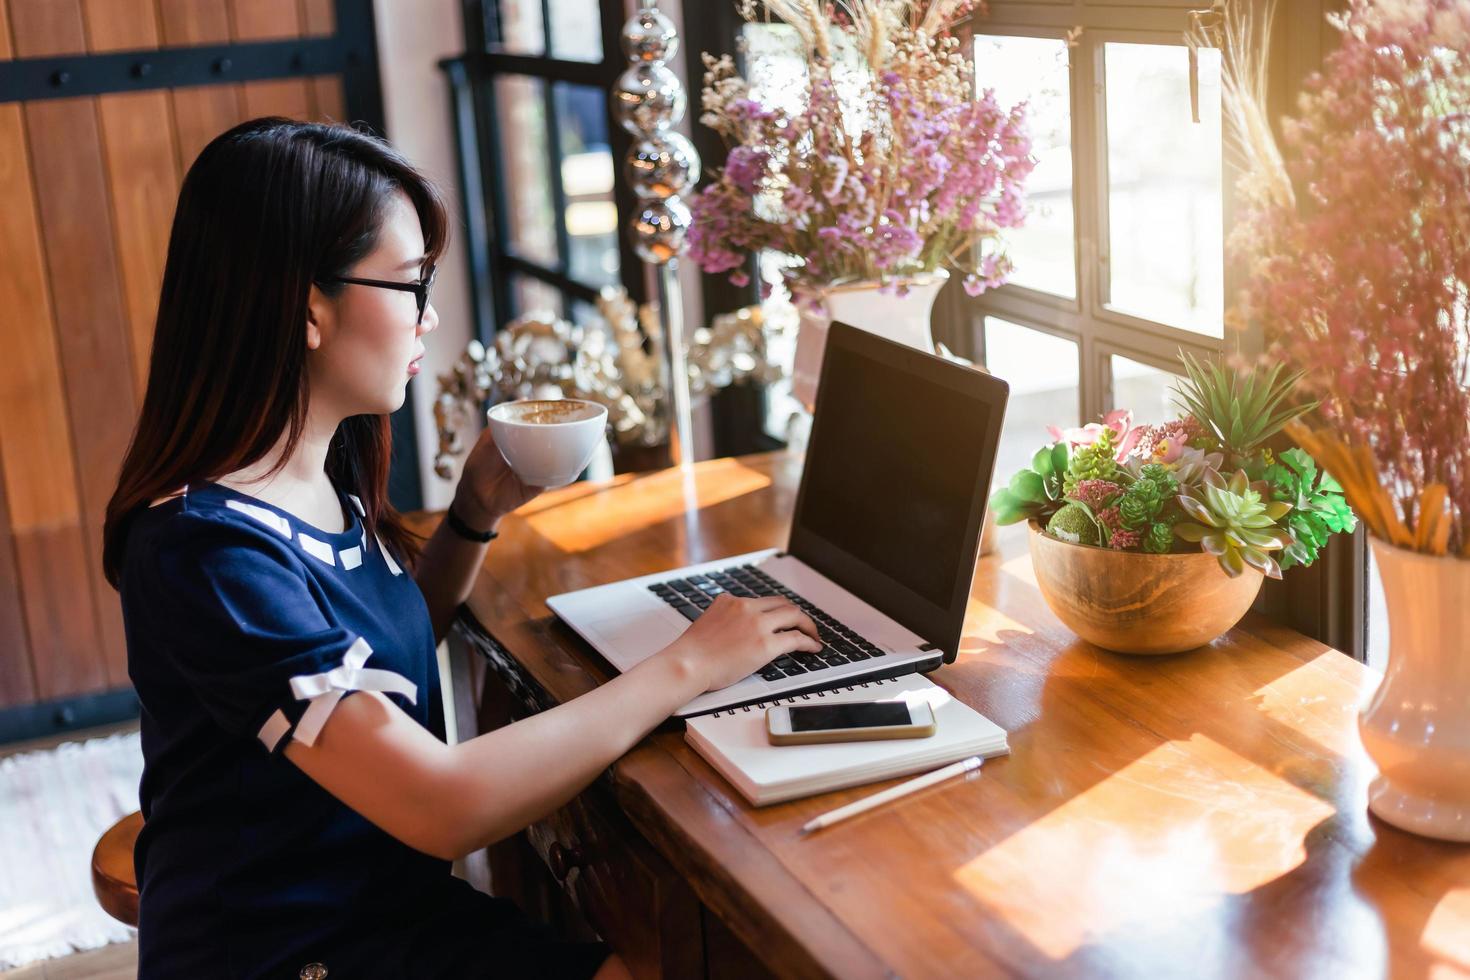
[1096, 493]
[1119, 420]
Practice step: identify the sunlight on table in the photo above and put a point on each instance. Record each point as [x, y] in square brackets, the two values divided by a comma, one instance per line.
[595, 519]
[1147, 848]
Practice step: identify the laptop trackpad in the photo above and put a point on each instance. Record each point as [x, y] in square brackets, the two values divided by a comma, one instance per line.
[629, 640]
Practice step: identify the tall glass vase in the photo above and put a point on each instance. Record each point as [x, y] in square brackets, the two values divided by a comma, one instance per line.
[1417, 726]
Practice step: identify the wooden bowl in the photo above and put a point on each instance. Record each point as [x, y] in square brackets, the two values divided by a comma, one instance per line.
[1135, 602]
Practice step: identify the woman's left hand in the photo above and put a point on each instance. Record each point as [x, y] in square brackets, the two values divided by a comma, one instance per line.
[488, 487]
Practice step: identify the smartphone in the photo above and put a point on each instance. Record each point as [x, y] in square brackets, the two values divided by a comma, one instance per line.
[850, 721]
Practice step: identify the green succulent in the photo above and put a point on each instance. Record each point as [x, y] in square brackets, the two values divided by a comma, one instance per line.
[1160, 538]
[1074, 523]
[1146, 496]
[1094, 462]
[1035, 492]
[1318, 508]
[1239, 409]
[1235, 525]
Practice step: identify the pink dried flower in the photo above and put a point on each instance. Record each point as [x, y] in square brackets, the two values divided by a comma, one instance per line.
[1096, 493]
[1124, 539]
[1362, 280]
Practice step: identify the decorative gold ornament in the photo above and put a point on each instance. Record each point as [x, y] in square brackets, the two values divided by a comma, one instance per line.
[615, 361]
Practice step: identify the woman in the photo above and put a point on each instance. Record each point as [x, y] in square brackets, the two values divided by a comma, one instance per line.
[301, 805]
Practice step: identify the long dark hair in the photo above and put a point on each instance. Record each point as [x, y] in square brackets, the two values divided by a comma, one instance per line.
[268, 208]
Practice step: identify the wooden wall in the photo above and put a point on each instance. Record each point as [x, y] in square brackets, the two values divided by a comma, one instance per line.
[87, 190]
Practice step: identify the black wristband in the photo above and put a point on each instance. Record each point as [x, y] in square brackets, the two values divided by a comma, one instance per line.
[458, 526]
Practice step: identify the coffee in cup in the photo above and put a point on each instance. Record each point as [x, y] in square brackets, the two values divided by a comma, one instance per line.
[548, 442]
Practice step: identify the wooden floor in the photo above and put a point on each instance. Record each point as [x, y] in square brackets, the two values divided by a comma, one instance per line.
[116, 962]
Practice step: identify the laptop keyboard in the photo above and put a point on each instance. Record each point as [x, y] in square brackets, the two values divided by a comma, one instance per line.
[691, 596]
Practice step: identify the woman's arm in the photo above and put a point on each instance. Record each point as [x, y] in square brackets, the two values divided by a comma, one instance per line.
[449, 801]
[447, 569]
[487, 491]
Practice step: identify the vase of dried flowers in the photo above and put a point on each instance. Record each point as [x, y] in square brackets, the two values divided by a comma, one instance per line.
[873, 168]
[898, 311]
[1356, 232]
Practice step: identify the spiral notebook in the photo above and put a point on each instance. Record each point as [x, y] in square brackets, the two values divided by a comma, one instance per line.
[735, 743]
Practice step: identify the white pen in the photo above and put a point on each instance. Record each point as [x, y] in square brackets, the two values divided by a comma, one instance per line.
[892, 793]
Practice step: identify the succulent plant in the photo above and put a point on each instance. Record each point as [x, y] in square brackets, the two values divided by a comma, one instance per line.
[1160, 538]
[1233, 523]
[1035, 492]
[1239, 409]
[1094, 462]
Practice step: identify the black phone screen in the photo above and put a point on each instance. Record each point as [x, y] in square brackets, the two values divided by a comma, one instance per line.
[824, 717]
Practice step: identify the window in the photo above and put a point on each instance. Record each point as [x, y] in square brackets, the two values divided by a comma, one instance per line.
[538, 152]
[1121, 263]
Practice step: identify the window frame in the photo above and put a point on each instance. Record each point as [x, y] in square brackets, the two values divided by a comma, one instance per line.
[494, 264]
[1086, 319]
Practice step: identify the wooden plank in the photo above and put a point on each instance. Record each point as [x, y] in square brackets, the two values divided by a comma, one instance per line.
[17, 678]
[186, 22]
[66, 152]
[144, 181]
[47, 27]
[328, 100]
[264, 20]
[289, 97]
[199, 113]
[137, 135]
[120, 25]
[318, 18]
[42, 507]
[4, 31]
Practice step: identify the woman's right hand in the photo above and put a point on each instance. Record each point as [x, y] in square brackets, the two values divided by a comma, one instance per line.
[735, 637]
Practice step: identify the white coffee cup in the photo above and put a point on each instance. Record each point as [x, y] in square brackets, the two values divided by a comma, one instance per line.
[548, 443]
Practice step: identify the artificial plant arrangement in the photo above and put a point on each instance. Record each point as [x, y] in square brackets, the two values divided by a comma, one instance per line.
[880, 163]
[1204, 481]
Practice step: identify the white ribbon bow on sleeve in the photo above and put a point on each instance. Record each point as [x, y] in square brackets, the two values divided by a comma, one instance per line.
[326, 689]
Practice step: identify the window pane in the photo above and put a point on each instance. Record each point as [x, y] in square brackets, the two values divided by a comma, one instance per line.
[514, 26]
[576, 30]
[532, 297]
[587, 179]
[1148, 391]
[1035, 70]
[1043, 375]
[1166, 241]
[525, 160]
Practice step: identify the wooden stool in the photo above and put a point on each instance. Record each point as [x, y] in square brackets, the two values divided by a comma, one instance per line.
[113, 878]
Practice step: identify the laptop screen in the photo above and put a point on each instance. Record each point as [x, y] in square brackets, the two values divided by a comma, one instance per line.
[897, 472]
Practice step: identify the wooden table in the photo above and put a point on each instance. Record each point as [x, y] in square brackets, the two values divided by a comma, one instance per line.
[1196, 815]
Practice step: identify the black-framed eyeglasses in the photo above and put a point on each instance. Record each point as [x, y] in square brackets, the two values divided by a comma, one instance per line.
[420, 289]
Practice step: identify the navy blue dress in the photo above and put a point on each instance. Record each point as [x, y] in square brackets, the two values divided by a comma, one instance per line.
[245, 627]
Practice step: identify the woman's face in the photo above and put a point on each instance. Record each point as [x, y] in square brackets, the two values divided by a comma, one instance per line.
[365, 342]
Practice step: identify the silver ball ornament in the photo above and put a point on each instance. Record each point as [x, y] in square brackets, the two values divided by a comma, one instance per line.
[658, 229]
[648, 98]
[649, 36]
[662, 165]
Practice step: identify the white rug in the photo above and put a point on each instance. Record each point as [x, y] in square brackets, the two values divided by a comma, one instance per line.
[54, 805]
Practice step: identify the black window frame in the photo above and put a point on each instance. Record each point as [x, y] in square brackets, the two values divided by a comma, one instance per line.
[493, 264]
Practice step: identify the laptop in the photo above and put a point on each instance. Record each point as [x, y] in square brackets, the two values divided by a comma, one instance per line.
[883, 539]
